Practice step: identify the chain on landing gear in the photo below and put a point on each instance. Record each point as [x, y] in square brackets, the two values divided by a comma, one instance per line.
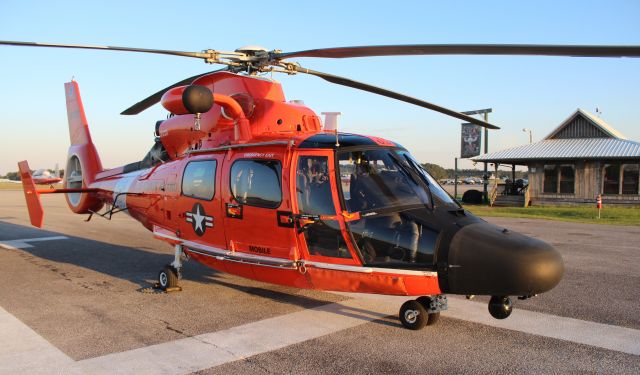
[168, 279]
[425, 310]
[170, 275]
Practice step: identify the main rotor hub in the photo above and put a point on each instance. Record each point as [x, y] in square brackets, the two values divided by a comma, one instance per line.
[252, 50]
[253, 58]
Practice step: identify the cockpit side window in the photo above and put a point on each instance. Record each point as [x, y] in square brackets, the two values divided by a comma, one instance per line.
[313, 187]
[373, 180]
[394, 205]
[323, 235]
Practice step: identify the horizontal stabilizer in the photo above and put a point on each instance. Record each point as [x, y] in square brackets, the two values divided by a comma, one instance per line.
[36, 213]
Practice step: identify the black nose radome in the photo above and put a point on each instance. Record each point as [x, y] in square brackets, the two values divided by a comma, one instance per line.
[485, 259]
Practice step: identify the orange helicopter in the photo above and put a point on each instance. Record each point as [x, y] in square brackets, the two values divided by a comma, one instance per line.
[247, 183]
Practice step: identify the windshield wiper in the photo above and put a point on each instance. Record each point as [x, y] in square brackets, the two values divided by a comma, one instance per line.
[389, 210]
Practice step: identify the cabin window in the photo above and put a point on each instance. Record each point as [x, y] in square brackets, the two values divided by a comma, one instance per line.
[257, 182]
[611, 183]
[621, 179]
[630, 179]
[567, 179]
[550, 179]
[198, 180]
[559, 179]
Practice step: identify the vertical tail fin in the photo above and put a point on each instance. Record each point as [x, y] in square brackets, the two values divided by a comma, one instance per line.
[81, 144]
[78, 126]
[83, 162]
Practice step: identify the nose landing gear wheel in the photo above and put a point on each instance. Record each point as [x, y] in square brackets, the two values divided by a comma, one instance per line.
[413, 315]
[168, 278]
[500, 307]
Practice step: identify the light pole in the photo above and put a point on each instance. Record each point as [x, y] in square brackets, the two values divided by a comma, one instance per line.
[530, 136]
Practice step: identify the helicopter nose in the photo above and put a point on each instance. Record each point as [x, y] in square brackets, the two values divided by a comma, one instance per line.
[484, 259]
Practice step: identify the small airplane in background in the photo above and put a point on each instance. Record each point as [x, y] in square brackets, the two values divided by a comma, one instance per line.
[45, 177]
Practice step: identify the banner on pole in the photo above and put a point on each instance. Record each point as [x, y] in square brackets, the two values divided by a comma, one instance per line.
[471, 137]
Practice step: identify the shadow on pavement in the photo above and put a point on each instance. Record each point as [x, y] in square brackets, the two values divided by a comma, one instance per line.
[127, 263]
[135, 265]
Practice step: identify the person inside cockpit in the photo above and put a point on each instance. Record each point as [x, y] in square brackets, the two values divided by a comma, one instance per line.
[379, 184]
[314, 191]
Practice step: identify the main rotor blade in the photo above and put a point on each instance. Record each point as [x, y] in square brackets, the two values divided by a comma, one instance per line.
[394, 95]
[155, 98]
[200, 55]
[466, 49]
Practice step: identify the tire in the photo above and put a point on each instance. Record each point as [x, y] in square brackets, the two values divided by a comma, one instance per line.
[413, 315]
[424, 301]
[168, 278]
[432, 318]
[500, 307]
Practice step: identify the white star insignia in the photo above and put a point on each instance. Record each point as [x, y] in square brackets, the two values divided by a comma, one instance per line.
[199, 219]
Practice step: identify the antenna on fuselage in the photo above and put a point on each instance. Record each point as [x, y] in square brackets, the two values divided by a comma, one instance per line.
[331, 123]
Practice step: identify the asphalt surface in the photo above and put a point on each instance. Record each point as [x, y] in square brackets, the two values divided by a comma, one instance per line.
[86, 295]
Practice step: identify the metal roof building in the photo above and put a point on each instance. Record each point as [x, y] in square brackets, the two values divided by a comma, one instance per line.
[559, 149]
[580, 159]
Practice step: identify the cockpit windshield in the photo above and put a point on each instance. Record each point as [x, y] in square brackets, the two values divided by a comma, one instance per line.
[391, 193]
[379, 179]
[434, 187]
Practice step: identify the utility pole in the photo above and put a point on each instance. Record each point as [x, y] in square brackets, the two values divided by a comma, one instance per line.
[530, 135]
[485, 179]
[455, 180]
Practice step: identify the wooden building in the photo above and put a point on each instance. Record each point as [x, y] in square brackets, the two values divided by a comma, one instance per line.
[580, 159]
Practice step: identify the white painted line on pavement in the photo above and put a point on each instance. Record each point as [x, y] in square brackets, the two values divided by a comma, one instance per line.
[605, 336]
[599, 335]
[217, 348]
[24, 243]
[23, 351]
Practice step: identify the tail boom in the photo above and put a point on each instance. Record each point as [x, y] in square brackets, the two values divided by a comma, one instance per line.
[32, 195]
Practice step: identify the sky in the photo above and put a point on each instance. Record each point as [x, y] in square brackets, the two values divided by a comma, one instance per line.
[524, 92]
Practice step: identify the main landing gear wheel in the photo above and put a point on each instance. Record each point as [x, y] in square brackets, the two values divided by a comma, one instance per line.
[413, 315]
[432, 318]
[168, 278]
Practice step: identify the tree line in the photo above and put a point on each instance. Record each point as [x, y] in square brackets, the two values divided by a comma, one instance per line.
[440, 173]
